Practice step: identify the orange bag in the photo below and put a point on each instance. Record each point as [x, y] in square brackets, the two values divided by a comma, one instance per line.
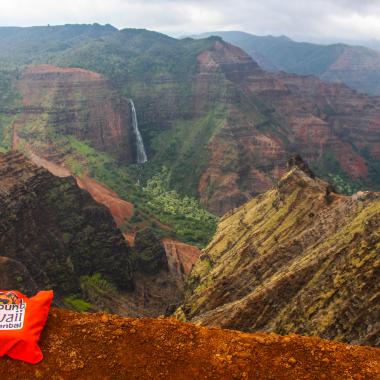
[22, 320]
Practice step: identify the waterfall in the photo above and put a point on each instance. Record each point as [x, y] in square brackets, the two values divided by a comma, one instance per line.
[140, 150]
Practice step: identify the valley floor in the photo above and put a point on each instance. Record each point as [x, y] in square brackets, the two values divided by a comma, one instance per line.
[101, 346]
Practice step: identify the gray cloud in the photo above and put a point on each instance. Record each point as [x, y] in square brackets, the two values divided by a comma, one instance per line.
[302, 19]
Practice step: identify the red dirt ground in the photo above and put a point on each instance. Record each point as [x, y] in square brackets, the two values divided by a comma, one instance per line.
[120, 209]
[102, 346]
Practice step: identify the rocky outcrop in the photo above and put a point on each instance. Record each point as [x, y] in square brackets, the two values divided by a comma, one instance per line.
[150, 253]
[70, 101]
[298, 258]
[57, 231]
[14, 275]
[84, 346]
[181, 256]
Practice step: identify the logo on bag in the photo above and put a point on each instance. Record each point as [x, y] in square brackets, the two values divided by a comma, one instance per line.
[12, 311]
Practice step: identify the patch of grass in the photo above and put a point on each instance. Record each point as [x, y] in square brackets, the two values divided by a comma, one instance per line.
[78, 304]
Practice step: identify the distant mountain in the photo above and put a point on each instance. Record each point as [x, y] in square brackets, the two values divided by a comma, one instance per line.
[298, 258]
[356, 66]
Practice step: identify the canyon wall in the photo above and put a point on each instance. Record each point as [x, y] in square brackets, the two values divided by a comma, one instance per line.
[72, 102]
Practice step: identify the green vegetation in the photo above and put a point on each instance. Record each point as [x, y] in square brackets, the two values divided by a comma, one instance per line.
[96, 281]
[156, 201]
[9, 102]
[98, 291]
[184, 149]
[191, 222]
[344, 185]
[78, 304]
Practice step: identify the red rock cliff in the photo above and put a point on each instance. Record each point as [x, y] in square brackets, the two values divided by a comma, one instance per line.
[72, 101]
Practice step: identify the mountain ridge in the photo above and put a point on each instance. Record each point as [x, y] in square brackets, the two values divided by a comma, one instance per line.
[298, 258]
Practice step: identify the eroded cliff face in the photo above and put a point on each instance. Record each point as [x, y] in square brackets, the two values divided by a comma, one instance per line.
[298, 258]
[55, 231]
[270, 117]
[181, 256]
[72, 102]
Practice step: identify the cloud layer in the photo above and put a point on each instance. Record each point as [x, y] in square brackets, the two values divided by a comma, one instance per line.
[314, 19]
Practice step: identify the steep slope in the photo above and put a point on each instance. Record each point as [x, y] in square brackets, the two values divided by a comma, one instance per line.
[57, 231]
[109, 347]
[298, 258]
[181, 256]
[356, 66]
[121, 210]
[55, 235]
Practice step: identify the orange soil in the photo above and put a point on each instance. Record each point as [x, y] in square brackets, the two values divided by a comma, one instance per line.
[40, 69]
[55, 169]
[101, 346]
[180, 253]
[120, 209]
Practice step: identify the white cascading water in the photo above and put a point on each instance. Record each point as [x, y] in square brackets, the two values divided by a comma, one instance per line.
[140, 149]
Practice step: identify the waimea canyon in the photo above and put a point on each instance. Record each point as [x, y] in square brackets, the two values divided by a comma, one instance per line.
[247, 122]
[165, 178]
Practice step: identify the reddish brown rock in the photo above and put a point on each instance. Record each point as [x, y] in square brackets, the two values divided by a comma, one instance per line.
[181, 256]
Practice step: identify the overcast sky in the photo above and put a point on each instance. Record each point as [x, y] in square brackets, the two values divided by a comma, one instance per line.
[300, 19]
